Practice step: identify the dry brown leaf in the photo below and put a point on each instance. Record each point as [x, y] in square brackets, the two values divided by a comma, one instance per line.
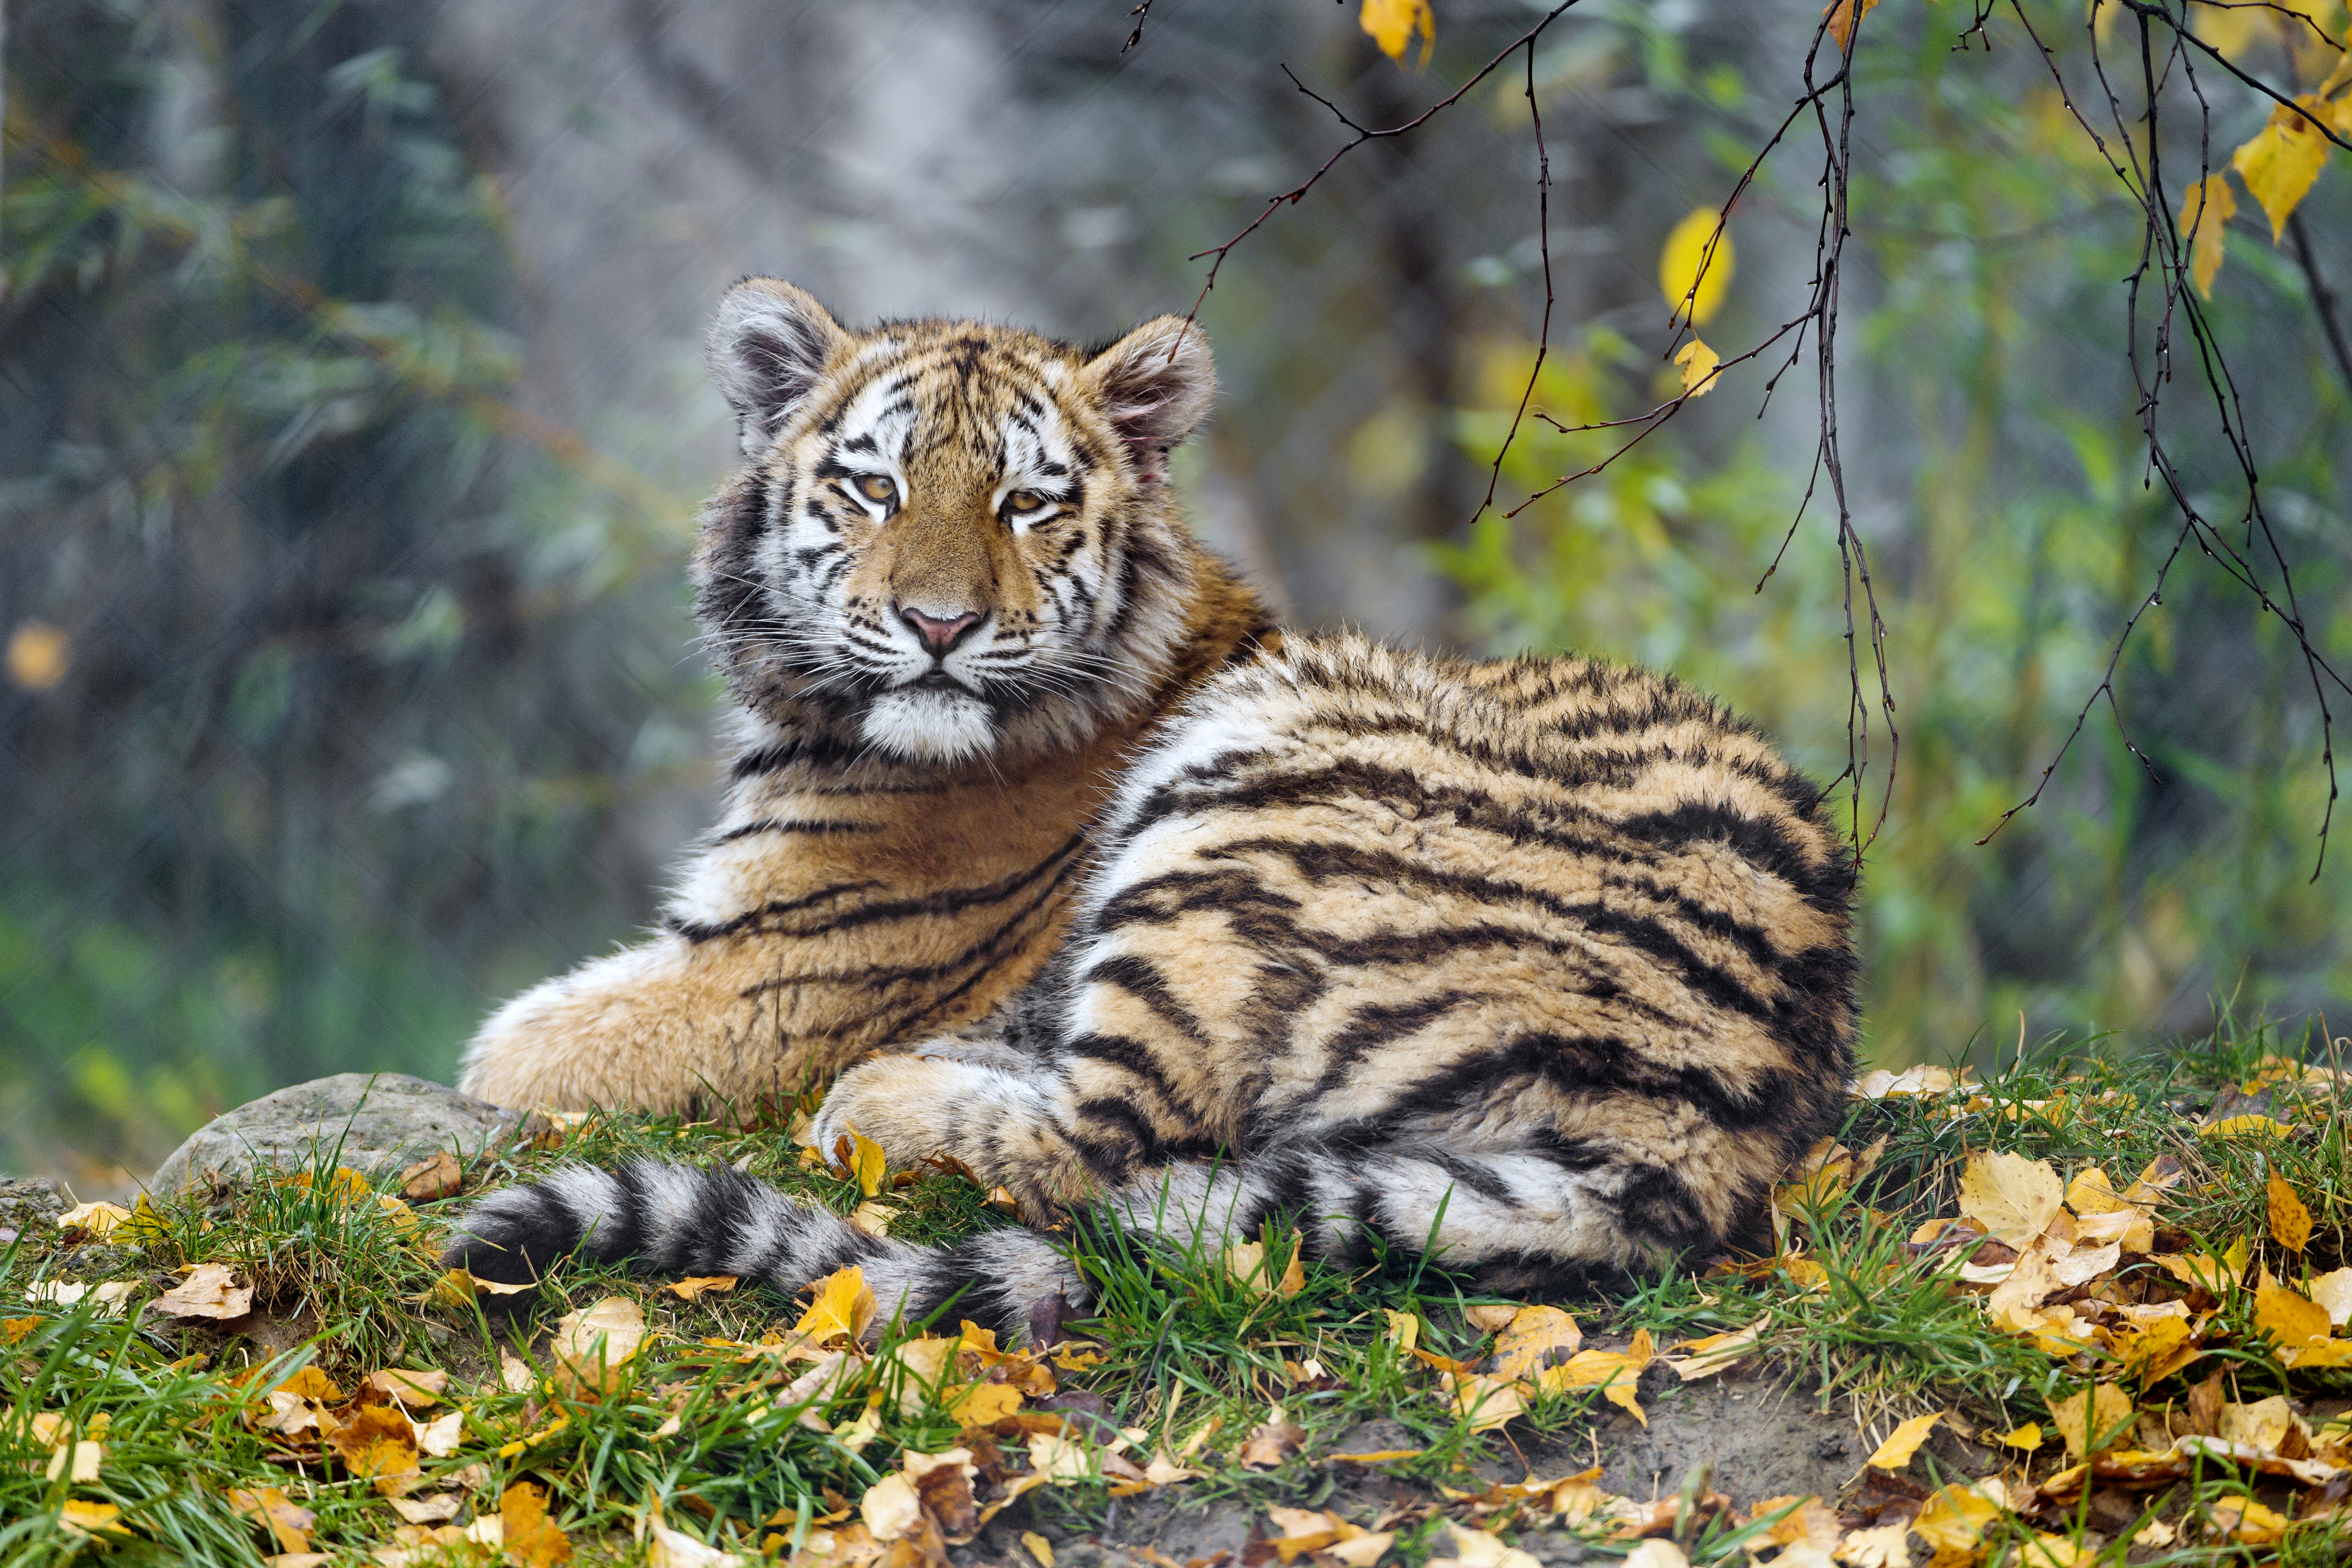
[1487, 1320]
[592, 1348]
[2334, 1292]
[1536, 1338]
[1270, 1443]
[1478, 1549]
[409, 1387]
[288, 1522]
[427, 1180]
[440, 1437]
[1718, 1352]
[208, 1291]
[438, 1509]
[1883, 1546]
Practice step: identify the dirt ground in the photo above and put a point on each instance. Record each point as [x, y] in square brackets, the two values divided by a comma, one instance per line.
[1759, 1437]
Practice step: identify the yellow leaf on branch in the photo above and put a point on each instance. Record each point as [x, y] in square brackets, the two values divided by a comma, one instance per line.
[1392, 23]
[1844, 17]
[1695, 267]
[1698, 364]
[2206, 208]
[2282, 160]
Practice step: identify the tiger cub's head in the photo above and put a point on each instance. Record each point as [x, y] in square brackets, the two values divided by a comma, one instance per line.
[952, 540]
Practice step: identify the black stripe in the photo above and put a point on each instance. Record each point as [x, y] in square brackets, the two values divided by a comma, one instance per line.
[777, 825]
[947, 901]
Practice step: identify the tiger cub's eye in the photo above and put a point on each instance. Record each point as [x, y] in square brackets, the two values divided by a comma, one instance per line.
[877, 486]
[1023, 502]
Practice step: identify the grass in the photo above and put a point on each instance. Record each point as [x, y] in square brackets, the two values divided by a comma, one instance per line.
[1191, 1359]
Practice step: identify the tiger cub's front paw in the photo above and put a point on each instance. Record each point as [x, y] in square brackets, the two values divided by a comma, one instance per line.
[893, 1100]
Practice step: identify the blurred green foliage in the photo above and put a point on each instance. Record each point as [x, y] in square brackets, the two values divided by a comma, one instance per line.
[358, 657]
[1993, 453]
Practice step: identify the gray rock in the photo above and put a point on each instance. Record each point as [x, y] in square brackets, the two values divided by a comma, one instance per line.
[28, 1203]
[383, 1122]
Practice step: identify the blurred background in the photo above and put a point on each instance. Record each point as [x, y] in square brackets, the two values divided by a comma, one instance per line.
[354, 422]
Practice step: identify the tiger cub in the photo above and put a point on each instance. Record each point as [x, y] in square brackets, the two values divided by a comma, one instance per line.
[1543, 966]
[950, 596]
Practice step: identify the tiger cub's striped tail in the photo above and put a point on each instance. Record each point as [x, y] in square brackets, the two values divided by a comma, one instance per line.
[680, 1221]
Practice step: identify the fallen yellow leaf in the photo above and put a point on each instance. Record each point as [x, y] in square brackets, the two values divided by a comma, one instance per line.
[2289, 1320]
[843, 1308]
[1904, 1442]
[2333, 1291]
[2248, 1522]
[379, 1445]
[1039, 1547]
[697, 1286]
[1487, 1403]
[2290, 1221]
[2028, 1437]
[408, 1387]
[590, 1348]
[2014, 1198]
[2245, 1127]
[529, 1538]
[95, 1220]
[1405, 1329]
[91, 1519]
[208, 1291]
[2093, 1421]
[1535, 1339]
[288, 1522]
[1953, 1521]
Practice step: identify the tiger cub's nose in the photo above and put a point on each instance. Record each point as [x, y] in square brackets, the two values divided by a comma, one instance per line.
[940, 635]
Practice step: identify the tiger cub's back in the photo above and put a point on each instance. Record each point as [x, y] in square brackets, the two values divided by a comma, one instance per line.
[1361, 894]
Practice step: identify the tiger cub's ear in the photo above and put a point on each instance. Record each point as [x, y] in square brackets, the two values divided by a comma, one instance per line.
[767, 350]
[1155, 384]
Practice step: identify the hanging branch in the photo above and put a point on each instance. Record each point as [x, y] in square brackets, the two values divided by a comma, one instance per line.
[2164, 262]
[2164, 256]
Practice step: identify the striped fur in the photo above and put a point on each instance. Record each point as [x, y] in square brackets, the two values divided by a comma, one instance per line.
[1544, 964]
[905, 827]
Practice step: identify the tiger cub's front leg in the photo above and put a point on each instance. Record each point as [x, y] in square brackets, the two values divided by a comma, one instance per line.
[996, 1117]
